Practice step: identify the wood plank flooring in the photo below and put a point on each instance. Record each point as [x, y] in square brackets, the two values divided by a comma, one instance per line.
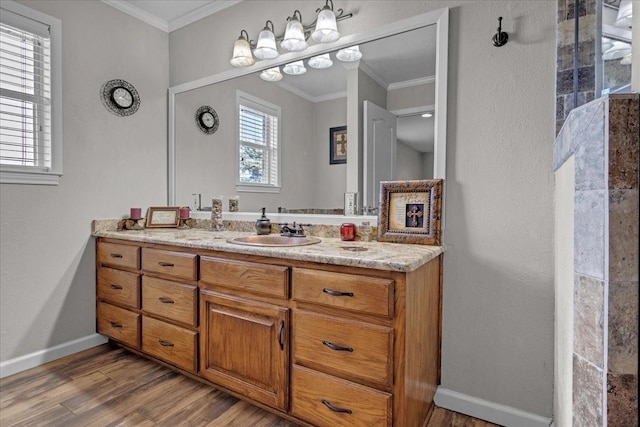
[109, 386]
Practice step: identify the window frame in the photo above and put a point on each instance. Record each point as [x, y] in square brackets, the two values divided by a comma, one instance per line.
[266, 108]
[33, 175]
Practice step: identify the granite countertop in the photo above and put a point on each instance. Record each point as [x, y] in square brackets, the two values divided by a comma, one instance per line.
[376, 255]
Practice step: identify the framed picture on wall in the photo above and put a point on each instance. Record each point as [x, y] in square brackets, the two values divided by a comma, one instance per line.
[338, 145]
[410, 211]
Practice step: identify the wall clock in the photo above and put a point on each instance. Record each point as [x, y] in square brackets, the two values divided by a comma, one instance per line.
[207, 119]
[120, 97]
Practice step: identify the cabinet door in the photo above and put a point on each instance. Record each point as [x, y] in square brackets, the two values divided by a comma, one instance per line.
[245, 347]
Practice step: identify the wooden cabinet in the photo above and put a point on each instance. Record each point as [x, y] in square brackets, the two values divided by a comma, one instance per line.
[318, 344]
[245, 347]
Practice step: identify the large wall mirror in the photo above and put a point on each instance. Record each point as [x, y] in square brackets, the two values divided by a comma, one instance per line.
[403, 71]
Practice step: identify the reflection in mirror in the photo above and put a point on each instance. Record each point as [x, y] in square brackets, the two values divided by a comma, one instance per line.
[397, 72]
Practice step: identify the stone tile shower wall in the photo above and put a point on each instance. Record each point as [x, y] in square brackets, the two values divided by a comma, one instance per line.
[588, 15]
[604, 135]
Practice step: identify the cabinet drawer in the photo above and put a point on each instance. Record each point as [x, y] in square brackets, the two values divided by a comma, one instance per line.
[175, 301]
[175, 264]
[348, 291]
[120, 324]
[329, 401]
[266, 279]
[120, 287]
[170, 343]
[349, 349]
[117, 255]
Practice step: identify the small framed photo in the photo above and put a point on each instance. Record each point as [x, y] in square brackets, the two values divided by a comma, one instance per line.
[338, 145]
[410, 211]
[163, 217]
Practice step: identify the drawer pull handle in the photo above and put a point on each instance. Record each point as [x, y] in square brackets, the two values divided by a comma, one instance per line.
[165, 343]
[116, 325]
[335, 347]
[165, 300]
[115, 255]
[337, 293]
[335, 408]
[165, 264]
[280, 330]
[116, 287]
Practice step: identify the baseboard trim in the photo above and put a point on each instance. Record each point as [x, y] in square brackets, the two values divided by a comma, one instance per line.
[37, 358]
[482, 409]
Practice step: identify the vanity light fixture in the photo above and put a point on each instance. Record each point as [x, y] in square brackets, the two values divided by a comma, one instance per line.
[266, 47]
[349, 54]
[320, 61]
[295, 68]
[294, 37]
[323, 30]
[326, 26]
[242, 56]
[625, 14]
[271, 74]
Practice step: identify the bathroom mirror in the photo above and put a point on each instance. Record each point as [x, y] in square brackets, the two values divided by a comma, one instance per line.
[408, 83]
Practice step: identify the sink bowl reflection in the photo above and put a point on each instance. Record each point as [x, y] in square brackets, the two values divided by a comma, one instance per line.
[273, 240]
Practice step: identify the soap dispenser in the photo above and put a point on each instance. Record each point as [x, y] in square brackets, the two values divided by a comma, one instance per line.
[263, 224]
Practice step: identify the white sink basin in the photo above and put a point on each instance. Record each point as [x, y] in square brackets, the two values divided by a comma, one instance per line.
[274, 240]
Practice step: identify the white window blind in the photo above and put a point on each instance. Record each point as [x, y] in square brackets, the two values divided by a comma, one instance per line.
[26, 119]
[258, 150]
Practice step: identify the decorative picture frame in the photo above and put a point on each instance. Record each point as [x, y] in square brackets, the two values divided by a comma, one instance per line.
[410, 211]
[163, 217]
[338, 145]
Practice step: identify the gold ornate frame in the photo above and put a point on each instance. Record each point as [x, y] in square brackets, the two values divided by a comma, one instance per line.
[410, 211]
[162, 217]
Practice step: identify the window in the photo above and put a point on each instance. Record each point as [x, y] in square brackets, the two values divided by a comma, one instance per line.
[30, 101]
[258, 149]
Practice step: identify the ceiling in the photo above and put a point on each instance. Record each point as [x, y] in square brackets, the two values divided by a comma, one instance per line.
[400, 61]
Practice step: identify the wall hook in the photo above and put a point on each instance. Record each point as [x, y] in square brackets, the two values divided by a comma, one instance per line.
[500, 38]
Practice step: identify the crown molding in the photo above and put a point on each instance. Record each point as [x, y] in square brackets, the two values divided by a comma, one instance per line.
[174, 24]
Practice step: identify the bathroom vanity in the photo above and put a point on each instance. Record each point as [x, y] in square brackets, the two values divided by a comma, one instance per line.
[331, 334]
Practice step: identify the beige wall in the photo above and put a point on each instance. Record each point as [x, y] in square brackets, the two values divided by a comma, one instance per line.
[47, 286]
[564, 273]
[498, 289]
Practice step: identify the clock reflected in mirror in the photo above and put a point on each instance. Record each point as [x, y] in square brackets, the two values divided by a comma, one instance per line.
[120, 97]
[207, 119]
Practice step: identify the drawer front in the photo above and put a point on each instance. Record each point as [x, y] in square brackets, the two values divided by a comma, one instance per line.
[349, 349]
[329, 401]
[175, 264]
[119, 287]
[348, 291]
[272, 280]
[175, 301]
[120, 324]
[117, 255]
[170, 343]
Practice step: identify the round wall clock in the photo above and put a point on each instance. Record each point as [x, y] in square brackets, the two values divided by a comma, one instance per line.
[207, 119]
[120, 97]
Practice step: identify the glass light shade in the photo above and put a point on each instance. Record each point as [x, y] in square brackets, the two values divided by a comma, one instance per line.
[617, 51]
[326, 28]
[242, 54]
[266, 47]
[271, 74]
[294, 40]
[349, 54]
[625, 14]
[295, 68]
[321, 61]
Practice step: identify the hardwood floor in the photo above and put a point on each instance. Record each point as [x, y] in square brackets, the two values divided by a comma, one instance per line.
[109, 386]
